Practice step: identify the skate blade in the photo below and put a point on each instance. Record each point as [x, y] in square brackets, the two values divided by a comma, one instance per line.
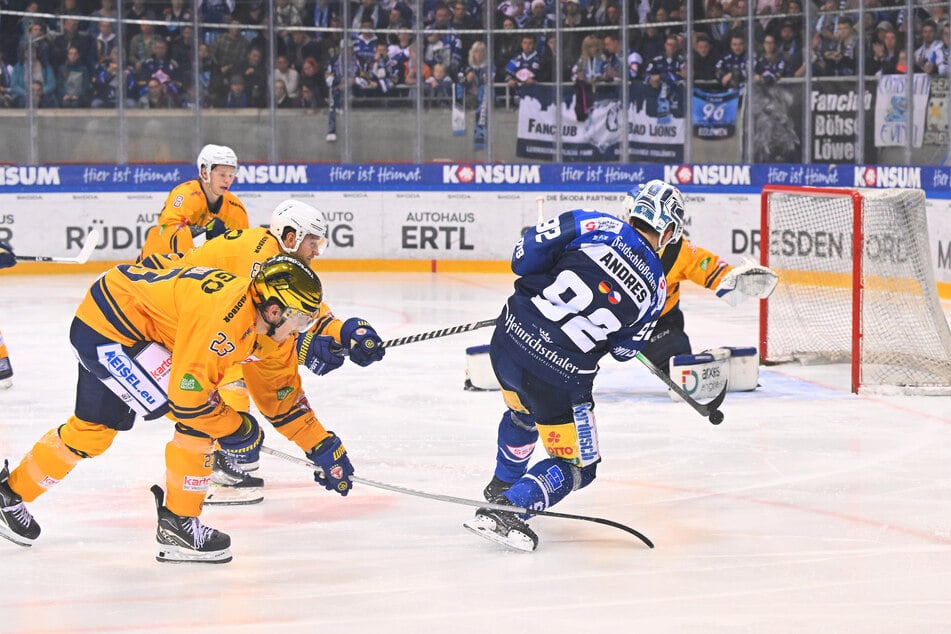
[178, 555]
[234, 496]
[485, 528]
[16, 538]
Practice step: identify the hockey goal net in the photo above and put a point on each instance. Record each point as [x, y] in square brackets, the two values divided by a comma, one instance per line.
[856, 285]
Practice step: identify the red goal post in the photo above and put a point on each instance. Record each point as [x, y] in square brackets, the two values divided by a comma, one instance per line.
[856, 285]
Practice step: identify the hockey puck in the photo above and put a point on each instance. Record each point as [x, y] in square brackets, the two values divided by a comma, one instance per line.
[716, 417]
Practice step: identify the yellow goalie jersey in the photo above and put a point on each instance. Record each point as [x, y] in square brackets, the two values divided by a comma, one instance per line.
[241, 252]
[187, 206]
[206, 317]
[686, 261]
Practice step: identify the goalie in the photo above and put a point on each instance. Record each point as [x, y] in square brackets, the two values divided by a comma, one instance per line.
[669, 346]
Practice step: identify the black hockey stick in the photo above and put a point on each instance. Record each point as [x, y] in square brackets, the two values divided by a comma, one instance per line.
[463, 501]
[433, 334]
[708, 409]
[92, 239]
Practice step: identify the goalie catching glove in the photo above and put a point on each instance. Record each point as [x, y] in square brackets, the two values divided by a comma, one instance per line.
[318, 353]
[747, 280]
[365, 345]
[335, 468]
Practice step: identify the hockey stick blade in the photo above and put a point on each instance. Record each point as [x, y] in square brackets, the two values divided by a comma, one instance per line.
[464, 501]
[433, 334]
[710, 409]
[92, 239]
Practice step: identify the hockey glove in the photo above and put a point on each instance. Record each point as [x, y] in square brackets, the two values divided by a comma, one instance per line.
[211, 230]
[335, 468]
[7, 257]
[320, 354]
[747, 280]
[365, 345]
[245, 442]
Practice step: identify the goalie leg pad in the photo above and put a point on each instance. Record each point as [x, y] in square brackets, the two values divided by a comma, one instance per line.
[744, 369]
[188, 462]
[701, 375]
[479, 372]
[516, 442]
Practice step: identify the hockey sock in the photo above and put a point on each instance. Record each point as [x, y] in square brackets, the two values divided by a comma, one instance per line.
[516, 441]
[188, 464]
[545, 484]
[55, 455]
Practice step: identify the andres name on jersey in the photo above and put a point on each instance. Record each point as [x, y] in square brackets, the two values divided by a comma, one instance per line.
[618, 269]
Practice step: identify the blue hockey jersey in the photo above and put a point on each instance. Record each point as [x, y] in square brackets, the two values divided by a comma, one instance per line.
[589, 284]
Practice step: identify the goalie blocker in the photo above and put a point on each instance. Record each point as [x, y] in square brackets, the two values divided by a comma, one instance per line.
[700, 375]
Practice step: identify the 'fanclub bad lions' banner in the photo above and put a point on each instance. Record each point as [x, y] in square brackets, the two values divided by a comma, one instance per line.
[655, 125]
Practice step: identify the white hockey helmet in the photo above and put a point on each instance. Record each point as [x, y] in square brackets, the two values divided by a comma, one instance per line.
[303, 219]
[212, 155]
[657, 205]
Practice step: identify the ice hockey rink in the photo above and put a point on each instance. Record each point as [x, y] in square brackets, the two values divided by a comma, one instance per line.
[807, 510]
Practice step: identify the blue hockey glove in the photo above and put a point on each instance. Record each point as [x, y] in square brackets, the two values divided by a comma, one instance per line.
[213, 229]
[245, 442]
[7, 257]
[335, 468]
[319, 354]
[365, 345]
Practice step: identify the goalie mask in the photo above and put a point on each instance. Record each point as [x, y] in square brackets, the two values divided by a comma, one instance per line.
[303, 219]
[212, 155]
[657, 206]
[287, 282]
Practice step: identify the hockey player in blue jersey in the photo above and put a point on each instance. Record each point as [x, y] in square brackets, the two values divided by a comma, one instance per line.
[589, 284]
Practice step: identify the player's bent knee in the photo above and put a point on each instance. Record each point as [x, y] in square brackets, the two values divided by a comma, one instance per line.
[245, 442]
[86, 439]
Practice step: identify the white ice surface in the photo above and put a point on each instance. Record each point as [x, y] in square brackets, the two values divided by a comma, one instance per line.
[807, 510]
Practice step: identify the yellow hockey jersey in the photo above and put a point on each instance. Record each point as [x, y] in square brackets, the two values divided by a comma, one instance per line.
[185, 206]
[686, 261]
[241, 252]
[206, 318]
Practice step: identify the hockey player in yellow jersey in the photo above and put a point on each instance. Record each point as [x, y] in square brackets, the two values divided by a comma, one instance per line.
[158, 343]
[199, 209]
[301, 230]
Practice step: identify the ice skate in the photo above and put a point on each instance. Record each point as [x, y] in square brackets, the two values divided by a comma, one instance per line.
[16, 523]
[230, 484]
[494, 491]
[503, 527]
[186, 539]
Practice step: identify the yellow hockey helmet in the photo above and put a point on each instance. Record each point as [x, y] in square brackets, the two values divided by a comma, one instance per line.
[291, 284]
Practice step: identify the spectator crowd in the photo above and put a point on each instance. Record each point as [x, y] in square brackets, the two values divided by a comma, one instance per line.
[66, 53]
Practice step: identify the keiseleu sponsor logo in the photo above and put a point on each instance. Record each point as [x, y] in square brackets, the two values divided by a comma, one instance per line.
[491, 174]
[707, 174]
[887, 177]
[128, 374]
